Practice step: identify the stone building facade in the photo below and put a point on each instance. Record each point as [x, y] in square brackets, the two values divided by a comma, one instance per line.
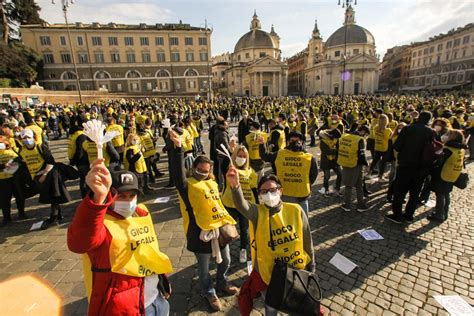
[255, 67]
[168, 59]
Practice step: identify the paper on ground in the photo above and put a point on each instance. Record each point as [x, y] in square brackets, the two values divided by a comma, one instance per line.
[455, 305]
[164, 199]
[36, 225]
[342, 263]
[370, 234]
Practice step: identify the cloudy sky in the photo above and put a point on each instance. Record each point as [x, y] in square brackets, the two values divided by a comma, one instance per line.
[392, 22]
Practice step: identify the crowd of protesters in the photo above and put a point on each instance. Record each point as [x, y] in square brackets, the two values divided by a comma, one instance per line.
[261, 173]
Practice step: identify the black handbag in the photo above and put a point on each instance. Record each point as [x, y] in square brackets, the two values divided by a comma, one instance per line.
[293, 291]
[462, 181]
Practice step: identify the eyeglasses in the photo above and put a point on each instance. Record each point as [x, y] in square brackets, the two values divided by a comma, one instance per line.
[271, 190]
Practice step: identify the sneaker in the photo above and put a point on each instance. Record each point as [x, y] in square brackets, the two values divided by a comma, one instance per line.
[394, 218]
[22, 216]
[322, 191]
[243, 256]
[433, 217]
[326, 194]
[346, 208]
[214, 302]
[339, 192]
[49, 222]
[229, 290]
[363, 208]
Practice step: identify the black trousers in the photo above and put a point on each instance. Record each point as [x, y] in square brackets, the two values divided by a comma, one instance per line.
[243, 226]
[408, 180]
[7, 191]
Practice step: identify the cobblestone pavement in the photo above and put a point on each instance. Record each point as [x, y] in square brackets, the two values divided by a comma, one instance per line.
[397, 275]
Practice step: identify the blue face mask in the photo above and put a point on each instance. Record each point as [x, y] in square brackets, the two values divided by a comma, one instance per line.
[29, 142]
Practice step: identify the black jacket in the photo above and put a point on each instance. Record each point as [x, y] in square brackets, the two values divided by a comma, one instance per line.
[411, 143]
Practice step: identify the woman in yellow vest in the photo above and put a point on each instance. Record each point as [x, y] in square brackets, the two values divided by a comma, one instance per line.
[44, 178]
[203, 214]
[351, 157]
[134, 161]
[248, 179]
[290, 237]
[8, 189]
[381, 134]
[450, 167]
[124, 269]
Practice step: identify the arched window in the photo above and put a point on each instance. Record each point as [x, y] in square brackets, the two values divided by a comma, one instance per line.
[191, 73]
[162, 73]
[133, 74]
[101, 74]
[68, 75]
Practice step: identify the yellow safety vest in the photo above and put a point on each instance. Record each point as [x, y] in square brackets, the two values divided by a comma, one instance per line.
[348, 150]
[331, 143]
[5, 156]
[117, 141]
[193, 130]
[453, 165]
[292, 169]
[134, 249]
[248, 181]
[140, 165]
[71, 146]
[147, 141]
[251, 140]
[186, 141]
[207, 206]
[34, 160]
[381, 139]
[287, 235]
[281, 138]
[91, 149]
[38, 132]
[299, 128]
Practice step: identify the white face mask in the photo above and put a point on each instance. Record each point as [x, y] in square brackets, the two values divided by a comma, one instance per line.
[125, 208]
[239, 161]
[270, 199]
[134, 142]
[3, 146]
[444, 138]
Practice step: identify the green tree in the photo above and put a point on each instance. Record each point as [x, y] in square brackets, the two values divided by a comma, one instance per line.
[19, 64]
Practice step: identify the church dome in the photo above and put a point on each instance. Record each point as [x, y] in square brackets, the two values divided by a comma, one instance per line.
[355, 35]
[254, 39]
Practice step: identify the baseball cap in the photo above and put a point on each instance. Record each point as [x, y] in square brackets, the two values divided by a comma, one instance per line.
[124, 180]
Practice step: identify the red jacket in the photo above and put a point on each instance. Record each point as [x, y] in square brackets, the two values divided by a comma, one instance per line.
[112, 293]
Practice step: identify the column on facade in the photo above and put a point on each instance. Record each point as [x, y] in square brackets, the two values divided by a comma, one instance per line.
[274, 84]
[261, 85]
[280, 84]
[255, 92]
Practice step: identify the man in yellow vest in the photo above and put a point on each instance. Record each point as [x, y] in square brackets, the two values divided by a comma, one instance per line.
[252, 145]
[276, 140]
[351, 157]
[120, 248]
[278, 230]
[118, 141]
[296, 169]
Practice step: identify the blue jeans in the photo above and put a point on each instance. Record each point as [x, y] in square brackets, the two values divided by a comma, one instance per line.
[159, 307]
[205, 282]
[305, 206]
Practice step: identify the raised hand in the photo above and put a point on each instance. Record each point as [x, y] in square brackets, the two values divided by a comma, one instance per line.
[174, 138]
[232, 177]
[99, 181]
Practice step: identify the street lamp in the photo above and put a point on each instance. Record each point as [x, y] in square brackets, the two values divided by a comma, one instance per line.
[344, 76]
[65, 4]
[207, 29]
